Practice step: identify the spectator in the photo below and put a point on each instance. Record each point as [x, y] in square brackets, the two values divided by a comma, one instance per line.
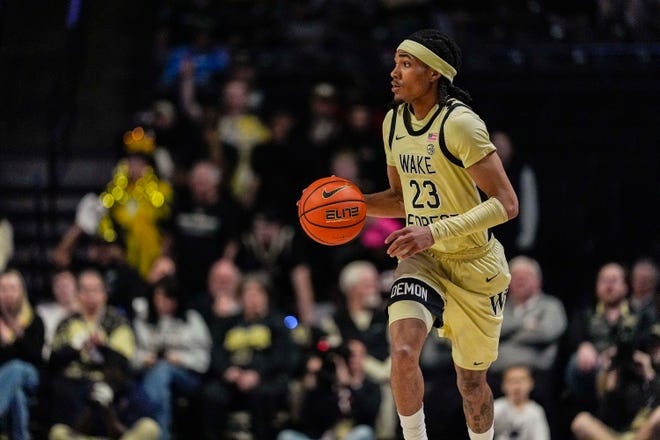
[161, 267]
[243, 130]
[517, 417]
[123, 281]
[177, 137]
[118, 410]
[365, 142]
[137, 202]
[221, 300]
[270, 158]
[644, 286]
[362, 320]
[339, 402]
[322, 129]
[205, 226]
[344, 164]
[93, 345]
[173, 349]
[130, 211]
[250, 366]
[21, 342]
[625, 21]
[177, 21]
[533, 325]
[518, 235]
[204, 56]
[6, 241]
[597, 331]
[65, 303]
[221, 307]
[273, 247]
[628, 390]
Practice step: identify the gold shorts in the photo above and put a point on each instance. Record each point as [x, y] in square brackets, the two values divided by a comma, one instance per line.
[464, 293]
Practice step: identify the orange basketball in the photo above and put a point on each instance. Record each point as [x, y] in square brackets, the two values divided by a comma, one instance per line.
[332, 211]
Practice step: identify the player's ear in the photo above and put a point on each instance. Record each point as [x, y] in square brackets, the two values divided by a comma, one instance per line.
[435, 75]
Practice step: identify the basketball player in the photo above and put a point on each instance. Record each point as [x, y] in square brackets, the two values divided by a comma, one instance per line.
[451, 274]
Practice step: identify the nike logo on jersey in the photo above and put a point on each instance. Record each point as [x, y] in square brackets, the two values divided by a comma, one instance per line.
[399, 137]
[327, 194]
[477, 363]
[489, 279]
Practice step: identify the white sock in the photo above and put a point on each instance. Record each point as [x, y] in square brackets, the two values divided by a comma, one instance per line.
[413, 425]
[488, 435]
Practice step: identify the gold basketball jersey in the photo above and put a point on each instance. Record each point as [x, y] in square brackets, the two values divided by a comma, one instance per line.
[431, 156]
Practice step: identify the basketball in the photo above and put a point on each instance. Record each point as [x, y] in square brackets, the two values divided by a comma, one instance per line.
[332, 211]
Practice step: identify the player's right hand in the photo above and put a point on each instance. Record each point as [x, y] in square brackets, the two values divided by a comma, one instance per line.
[408, 241]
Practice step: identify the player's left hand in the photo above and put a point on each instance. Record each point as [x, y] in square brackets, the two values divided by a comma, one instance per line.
[408, 241]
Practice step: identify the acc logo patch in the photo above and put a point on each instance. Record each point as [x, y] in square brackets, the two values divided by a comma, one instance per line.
[430, 148]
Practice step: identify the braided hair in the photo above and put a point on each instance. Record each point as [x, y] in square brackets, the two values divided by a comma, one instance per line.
[447, 49]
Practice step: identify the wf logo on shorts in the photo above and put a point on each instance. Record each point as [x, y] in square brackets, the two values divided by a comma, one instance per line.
[497, 302]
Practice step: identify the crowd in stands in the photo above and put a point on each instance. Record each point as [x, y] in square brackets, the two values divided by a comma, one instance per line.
[180, 308]
[228, 361]
[187, 303]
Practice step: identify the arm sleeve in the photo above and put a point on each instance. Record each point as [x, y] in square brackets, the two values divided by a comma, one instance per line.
[483, 216]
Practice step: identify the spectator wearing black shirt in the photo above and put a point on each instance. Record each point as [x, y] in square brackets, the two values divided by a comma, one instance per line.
[205, 227]
[274, 247]
[598, 331]
[220, 301]
[360, 138]
[628, 394]
[361, 318]
[251, 365]
[273, 156]
[339, 401]
[519, 235]
[21, 342]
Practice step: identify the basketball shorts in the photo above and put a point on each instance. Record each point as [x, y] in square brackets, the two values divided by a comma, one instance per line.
[461, 294]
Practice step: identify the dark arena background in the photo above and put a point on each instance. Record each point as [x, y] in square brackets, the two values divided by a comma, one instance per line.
[575, 86]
